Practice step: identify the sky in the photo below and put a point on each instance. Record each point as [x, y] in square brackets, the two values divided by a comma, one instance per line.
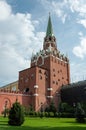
[23, 25]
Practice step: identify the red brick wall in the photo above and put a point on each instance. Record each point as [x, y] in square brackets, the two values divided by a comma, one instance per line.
[10, 98]
[42, 80]
[59, 75]
[27, 79]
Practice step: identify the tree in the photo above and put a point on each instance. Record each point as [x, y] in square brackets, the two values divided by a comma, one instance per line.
[16, 115]
[52, 107]
[80, 114]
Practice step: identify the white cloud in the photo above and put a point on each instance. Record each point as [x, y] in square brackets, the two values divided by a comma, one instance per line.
[83, 22]
[63, 8]
[17, 41]
[5, 10]
[77, 71]
[56, 7]
[78, 6]
[80, 50]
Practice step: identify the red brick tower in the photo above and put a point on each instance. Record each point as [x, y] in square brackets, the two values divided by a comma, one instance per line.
[49, 71]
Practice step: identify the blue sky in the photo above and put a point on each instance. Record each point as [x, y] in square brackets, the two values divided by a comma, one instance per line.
[23, 25]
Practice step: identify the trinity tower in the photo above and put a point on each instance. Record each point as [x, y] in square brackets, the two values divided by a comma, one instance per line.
[48, 72]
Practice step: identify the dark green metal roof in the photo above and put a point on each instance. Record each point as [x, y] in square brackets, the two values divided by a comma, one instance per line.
[49, 31]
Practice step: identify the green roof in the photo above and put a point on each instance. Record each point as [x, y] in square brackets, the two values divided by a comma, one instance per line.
[49, 31]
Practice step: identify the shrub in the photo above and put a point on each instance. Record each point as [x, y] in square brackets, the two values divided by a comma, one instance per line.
[80, 114]
[41, 114]
[16, 115]
[51, 114]
[46, 114]
[36, 114]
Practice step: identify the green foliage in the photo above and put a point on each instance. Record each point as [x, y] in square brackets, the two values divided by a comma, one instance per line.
[65, 107]
[84, 107]
[66, 110]
[31, 111]
[51, 114]
[52, 108]
[80, 114]
[26, 111]
[16, 115]
[46, 114]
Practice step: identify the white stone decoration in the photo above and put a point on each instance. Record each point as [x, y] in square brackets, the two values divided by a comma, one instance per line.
[36, 86]
[50, 48]
[49, 89]
[49, 96]
[36, 94]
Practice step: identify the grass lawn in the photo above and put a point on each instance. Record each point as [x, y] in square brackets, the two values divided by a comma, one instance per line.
[44, 124]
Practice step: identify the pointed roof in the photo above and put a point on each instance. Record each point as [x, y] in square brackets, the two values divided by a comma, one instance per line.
[49, 31]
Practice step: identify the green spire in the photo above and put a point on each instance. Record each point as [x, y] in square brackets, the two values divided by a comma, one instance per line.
[49, 31]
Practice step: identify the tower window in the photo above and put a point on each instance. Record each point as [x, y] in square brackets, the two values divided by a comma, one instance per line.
[40, 77]
[49, 38]
[54, 75]
[53, 82]
[45, 73]
[56, 83]
[40, 71]
[26, 90]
